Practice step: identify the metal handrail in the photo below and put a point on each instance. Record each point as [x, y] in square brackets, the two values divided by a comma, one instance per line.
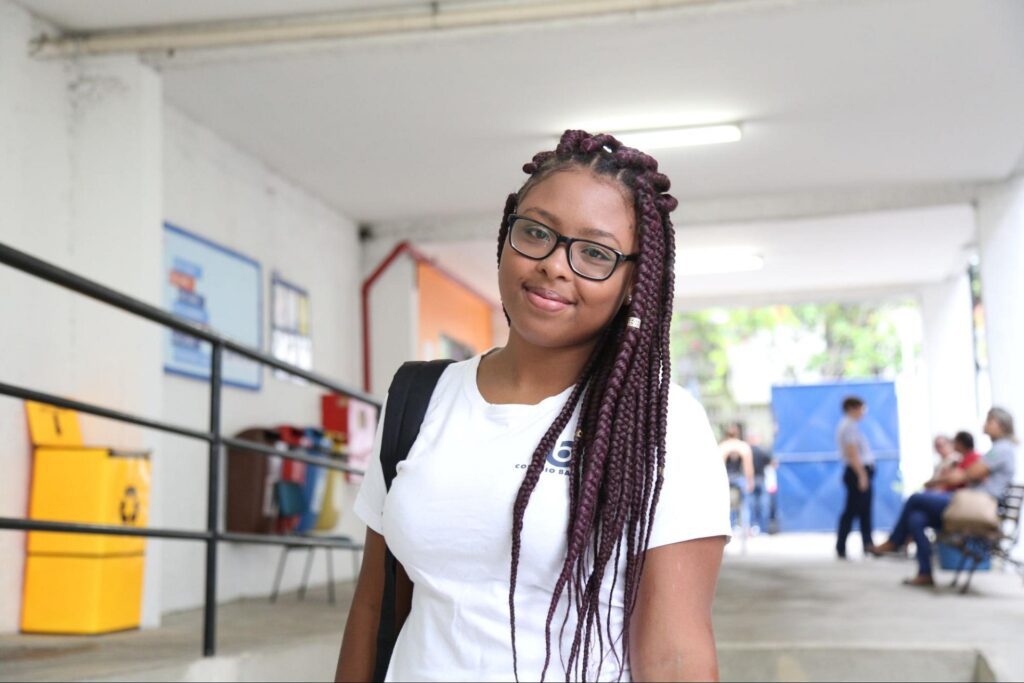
[212, 535]
[27, 263]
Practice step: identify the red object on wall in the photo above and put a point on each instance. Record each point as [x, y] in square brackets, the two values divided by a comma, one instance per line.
[334, 413]
[354, 423]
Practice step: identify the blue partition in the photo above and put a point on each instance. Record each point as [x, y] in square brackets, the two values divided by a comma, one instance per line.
[811, 492]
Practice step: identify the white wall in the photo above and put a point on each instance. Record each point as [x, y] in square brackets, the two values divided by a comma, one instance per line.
[80, 183]
[1001, 248]
[217, 191]
[394, 313]
[91, 164]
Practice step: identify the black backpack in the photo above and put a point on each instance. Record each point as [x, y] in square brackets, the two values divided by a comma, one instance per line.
[408, 398]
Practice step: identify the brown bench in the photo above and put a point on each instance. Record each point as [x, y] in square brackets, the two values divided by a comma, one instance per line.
[974, 548]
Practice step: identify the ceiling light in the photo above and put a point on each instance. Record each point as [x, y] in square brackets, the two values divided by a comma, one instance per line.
[717, 261]
[662, 138]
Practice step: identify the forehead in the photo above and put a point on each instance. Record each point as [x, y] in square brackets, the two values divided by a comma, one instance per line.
[573, 201]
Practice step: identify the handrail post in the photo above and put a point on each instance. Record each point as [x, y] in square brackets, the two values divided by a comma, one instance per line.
[213, 502]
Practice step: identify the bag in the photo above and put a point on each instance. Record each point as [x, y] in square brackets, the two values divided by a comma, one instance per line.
[971, 512]
[408, 398]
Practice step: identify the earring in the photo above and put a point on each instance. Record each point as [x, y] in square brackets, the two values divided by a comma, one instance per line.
[629, 299]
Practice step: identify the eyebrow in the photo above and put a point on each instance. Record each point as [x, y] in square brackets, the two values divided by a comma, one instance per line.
[587, 232]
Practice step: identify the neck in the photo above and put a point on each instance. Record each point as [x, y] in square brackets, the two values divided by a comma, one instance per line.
[524, 373]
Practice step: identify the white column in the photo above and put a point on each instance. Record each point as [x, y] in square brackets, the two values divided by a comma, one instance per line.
[1001, 245]
[948, 352]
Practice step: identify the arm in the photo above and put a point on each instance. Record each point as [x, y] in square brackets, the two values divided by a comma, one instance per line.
[671, 637]
[975, 472]
[359, 644]
[747, 454]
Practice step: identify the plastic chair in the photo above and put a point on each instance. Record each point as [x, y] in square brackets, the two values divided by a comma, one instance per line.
[291, 501]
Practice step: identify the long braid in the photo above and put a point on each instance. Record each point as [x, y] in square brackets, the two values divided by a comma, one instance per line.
[611, 533]
[619, 448]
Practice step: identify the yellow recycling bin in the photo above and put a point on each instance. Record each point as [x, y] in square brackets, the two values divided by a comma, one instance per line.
[82, 583]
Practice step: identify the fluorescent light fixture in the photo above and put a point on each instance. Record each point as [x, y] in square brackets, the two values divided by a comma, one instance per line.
[663, 138]
[717, 261]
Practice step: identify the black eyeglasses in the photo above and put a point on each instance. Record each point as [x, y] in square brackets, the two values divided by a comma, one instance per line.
[590, 260]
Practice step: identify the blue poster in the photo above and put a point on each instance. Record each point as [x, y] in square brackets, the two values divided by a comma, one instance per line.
[217, 289]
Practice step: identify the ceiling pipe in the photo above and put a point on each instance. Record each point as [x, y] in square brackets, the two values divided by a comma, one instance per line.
[253, 32]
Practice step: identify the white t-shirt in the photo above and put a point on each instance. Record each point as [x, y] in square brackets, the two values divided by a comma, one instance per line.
[448, 520]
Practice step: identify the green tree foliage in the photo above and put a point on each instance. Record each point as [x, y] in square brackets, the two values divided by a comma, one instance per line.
[859, 341]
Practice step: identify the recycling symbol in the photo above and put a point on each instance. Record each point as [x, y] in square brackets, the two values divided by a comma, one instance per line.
[130, 505]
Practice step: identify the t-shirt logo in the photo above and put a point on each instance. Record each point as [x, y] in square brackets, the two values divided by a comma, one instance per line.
[561, 455]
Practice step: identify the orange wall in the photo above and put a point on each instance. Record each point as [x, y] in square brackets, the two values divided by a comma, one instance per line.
[447, 308]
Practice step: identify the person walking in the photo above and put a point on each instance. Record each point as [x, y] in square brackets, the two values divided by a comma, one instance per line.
[739, 467]
[857, 475]
[564, 509]
[759, 498]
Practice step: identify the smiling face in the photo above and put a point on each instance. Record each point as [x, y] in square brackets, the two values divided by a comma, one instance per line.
[547, 303]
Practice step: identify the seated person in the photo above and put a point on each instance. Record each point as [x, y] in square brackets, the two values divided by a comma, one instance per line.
[947, 458]
[963, 444]
[991, 474]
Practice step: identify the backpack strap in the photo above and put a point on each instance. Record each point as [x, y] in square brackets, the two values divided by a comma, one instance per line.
[408, 399]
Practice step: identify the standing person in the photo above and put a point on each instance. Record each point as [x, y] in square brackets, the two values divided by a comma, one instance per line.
[992, 474]
[857, 476]
[762, 459]
[739, 467]
[563, 511]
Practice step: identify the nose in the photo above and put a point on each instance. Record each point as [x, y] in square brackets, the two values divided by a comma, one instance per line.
[556, 265]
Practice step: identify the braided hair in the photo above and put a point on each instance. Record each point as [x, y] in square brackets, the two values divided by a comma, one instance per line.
[615, 476]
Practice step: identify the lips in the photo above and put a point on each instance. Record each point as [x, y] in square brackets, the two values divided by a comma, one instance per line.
[546, 299]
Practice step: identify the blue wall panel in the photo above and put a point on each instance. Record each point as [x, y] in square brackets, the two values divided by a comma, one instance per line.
[811, 492]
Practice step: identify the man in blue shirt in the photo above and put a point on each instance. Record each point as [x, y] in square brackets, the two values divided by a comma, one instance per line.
[860, 470]
[992, 474]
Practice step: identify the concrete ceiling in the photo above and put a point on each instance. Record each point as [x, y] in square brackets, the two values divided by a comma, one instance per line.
[848, 106]
[835, 96]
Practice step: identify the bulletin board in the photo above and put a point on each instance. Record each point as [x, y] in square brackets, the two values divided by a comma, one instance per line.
[219, 290]
[291, 336]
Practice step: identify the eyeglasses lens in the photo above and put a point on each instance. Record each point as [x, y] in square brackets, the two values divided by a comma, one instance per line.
[589, 259]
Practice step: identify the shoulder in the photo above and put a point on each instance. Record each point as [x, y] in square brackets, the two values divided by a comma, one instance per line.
[1003, 450]
[683, 406]
[694, 500]
[689, 433]
[451, 376]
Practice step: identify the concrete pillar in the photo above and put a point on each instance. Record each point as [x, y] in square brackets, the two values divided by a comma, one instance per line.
[948, 351]
[1001, 247]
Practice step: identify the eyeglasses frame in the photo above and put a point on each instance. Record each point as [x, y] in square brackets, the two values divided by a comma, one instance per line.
[568, 241]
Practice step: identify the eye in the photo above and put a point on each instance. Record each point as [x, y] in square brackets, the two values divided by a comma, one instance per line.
[592, 252]
[534, 232]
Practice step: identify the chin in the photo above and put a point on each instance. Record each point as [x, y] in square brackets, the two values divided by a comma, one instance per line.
[549, 334]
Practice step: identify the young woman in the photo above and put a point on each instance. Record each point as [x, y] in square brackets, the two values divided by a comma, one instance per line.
[564, 509]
